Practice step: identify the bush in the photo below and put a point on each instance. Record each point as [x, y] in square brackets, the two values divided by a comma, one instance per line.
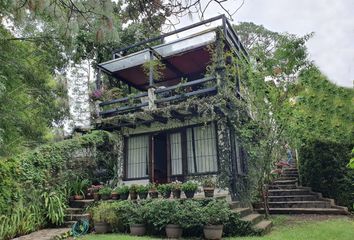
[189, 186]
[323, 168]
[142, 189]
[164, 190]
[123, 190]
[216, 212]
[105, 191]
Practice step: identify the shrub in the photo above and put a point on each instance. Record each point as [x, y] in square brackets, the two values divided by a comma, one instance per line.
[104, 212]
[133, 188]
[164, 189]
[216, 212]
[323, 168]
[123, 190]
[142, 189]
[236, 227]
[208, 183]
[189, 186]
[106, 191]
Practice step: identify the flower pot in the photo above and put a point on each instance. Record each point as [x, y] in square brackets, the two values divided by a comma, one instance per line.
[133, 195]
[189, 194]
[166, 194]
[153, 194]
[102, 227]
[176, 193]
[137, 229]
[115, 196]
[213, 231]
[96, 196]
[143, 195]
[173, 231]
[105, 197]
[208, 192]
[124, 196]
[78, 197]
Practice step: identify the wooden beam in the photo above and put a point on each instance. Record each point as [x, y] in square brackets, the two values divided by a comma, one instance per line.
[177, 115]
[159, 118]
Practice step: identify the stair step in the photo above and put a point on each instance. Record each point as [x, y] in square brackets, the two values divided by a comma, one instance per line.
[235, 204]
[328, 211]
[254, 218]
[263, 226]
[286, 182]
[242, 211]
[69, 224]
[286, 192]
[76, 217]
[74, 210]
[293, 198]
[300, 204]
[284, 186]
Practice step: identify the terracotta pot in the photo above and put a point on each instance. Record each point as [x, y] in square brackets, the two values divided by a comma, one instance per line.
[133, 195]
[96, 196]
[137, 229]
[166, 194]
[153, 194]
[143, 195]
[123, 196]
[189, 194]
[78, 197]
[105, 197]
[173, 231]
[208, 192]
[102, 227]
[213, 231]
[115, 196]
[176, 193]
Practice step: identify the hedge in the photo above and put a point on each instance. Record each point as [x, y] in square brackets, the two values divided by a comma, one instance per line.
[323, 167]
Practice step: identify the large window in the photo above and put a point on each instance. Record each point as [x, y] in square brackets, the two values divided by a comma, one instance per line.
[176, 153]
[201, 149]
[137, 156]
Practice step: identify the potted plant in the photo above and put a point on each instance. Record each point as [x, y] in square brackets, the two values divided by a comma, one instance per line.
[189, 188]
[123, 192]
[103, 217]
[105, 193]
[142, 191]
[79, 187]
[164, 190]
[136, 219]
[209, 187]
[132, 192]
[214, 215]
[115, 194]
[176, 189]
[153, 191]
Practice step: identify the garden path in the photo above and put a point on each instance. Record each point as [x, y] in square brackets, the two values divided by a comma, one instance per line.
[44, 234]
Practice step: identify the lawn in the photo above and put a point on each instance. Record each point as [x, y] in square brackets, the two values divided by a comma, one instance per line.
[285, 228]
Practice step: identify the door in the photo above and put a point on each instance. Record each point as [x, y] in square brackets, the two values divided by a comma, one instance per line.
[160, 158]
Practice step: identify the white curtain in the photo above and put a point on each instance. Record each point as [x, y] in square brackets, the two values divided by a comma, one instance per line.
[176, 153]
[138, 155]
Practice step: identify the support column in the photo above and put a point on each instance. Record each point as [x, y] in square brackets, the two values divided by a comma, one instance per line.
[151, 70]
[151, 98]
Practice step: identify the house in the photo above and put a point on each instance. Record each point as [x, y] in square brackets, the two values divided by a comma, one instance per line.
[174, 125]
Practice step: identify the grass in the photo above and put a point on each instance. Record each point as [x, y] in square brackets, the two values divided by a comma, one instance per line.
[285, 228]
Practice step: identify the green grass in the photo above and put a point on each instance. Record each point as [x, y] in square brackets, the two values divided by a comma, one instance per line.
[284, 229]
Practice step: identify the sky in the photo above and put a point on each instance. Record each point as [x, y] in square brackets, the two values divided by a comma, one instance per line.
[332, 46]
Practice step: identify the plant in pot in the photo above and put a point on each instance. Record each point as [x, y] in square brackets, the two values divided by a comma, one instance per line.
[79, 187]
[123, 192]
[153, 193]
[214, 215]
[142, 191]
[189, 188]
[164, 190]
[132, 192]
[105, 193]
[136, 218]
[104, 217]
[115, 194]
[176, 189]
[209, 187]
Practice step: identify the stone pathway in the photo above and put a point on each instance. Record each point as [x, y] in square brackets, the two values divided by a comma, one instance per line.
[44, 234]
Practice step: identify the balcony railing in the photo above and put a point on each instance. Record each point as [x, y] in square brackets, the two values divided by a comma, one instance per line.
[160, 97]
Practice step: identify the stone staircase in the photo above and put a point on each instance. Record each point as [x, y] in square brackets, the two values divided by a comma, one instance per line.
[285, 196]
[76, 211]
[259, 224]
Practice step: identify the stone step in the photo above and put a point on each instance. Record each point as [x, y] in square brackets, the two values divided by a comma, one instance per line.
[290, 174]
[254, 218]
[81, 203]
[288, 186]
[69, 224]
[74, 210]
[287, 192]
[281, 178]
[76, 217]
[300, 204]
[242, 211]
[235, 204]
[327, 211]
[284, 182]
[263, 226]
[292, 198]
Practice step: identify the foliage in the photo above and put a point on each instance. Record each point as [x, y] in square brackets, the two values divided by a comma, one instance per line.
[236, 227]
[136, 213]
[189, 186]
[164, 189]
[176, 185]
[123, 189]
[106, 191]
[351, 162]
[142, 189]
[323, 168]
[55, 205]
[133, 188]
[104, 212]
[216, 212]
[157, 68]
[209, 182]
[80, 186]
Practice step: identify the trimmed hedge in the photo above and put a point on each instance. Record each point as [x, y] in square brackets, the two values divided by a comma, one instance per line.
[323, 167]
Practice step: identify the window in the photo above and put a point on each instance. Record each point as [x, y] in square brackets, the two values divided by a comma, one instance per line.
[137, 156]
[176, 153]
[238, 155]
[201, 149]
